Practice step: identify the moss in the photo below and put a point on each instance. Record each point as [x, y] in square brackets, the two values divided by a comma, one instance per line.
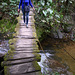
[11, 51]
[38, 73]
[37, 56]
[14, 34]
[17, 27]
[33, 26]
[36, 66]
[12, 47]
[19, 18]
[6, 70]
[34, 43]
[37, 51]
[6, 63]
[2, 64]
[6, 56]
[32, 19]
[9, 55]
[35, 46]
[39, 32]
[12, 41]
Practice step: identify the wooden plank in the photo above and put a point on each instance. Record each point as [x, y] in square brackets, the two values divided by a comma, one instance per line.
[21, 69]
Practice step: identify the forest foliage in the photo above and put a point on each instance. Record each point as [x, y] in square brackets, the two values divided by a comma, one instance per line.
[8, 14]
[9, 8]
[54, 15]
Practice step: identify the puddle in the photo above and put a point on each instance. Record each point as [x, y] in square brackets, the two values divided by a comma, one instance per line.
[62, 61]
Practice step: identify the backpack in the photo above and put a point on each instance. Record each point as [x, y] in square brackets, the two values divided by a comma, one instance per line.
[26, 8]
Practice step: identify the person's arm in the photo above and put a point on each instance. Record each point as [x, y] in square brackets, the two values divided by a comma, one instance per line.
[31, 4]
[19, 5]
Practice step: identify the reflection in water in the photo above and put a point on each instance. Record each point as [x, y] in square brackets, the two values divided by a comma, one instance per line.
[61, 63]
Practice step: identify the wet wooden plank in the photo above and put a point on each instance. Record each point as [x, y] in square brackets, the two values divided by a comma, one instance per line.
[31, 73]
[18, 56]
[16, 62]
[26, 49]
[21, 69]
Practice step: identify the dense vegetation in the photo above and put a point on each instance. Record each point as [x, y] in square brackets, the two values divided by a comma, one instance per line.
[55, 18]
[8, 13]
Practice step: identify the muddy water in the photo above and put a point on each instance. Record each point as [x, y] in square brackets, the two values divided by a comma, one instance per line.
[60, 57]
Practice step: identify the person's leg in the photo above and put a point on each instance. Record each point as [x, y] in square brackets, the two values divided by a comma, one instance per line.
[27, 18]
[23, 15]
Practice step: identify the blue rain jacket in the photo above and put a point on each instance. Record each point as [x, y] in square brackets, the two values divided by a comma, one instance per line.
[27, 2]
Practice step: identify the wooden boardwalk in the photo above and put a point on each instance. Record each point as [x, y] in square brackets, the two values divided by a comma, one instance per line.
[22, 57]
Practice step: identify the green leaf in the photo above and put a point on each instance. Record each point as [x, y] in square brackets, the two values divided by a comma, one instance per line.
[39, 9]
[43, 20]
[4, 4]
[58, 16]
[42, 3]
[50, 1]
[50, 10]
[1, 6]
[47, 19]
[12, 1]
[45, 13]
[15, 13]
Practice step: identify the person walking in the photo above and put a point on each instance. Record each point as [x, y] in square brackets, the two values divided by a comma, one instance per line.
[25, 9]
